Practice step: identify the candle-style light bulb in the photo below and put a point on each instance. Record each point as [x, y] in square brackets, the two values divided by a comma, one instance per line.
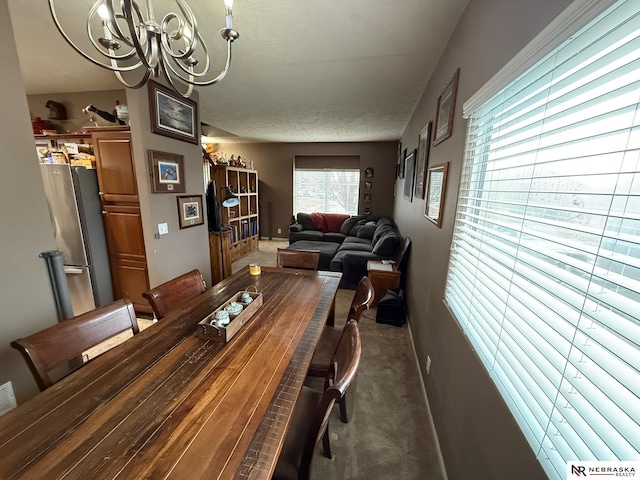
[228, 17]
[103, 11]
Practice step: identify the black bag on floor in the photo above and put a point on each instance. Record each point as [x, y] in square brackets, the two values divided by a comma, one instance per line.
[391, 308]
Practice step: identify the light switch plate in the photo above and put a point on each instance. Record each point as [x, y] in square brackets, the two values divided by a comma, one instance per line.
[163, 228]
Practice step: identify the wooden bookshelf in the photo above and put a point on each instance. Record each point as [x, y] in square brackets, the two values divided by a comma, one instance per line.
[243, 220]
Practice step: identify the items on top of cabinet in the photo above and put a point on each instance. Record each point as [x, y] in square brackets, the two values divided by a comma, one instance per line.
[66, 148]
[221, 158]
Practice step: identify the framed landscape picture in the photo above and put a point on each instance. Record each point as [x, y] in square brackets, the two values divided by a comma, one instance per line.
[172, 115]
[445, 110]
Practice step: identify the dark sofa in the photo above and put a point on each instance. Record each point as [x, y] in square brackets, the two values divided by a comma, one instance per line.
[358, 239]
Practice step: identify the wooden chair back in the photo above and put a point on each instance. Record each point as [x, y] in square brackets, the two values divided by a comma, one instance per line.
[362, 299]
[169, 295]
[48, 349]
[344, 368]
[304, 259]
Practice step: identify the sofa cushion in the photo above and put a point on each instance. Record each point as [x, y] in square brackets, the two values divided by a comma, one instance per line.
[354, 239]
[350, 223]
[381, 230]
[334, 221]
[333, 237]
[387, 244]
[365, 231]
[305, 235]
[356, 247]
[319, 222]
[304, 219]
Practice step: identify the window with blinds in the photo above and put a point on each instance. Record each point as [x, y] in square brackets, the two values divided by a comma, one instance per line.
[544, 273]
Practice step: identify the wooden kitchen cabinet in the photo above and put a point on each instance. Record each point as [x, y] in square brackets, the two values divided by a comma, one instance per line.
[121, 210]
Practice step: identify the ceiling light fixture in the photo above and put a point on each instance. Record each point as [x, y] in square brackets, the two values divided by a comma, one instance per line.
[131, 40]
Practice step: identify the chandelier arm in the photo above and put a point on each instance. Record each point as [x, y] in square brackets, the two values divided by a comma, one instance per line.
[198, 83]
[173, 85]
[77, 49]
[115, 25]
[126, 10]
[143, 80]
[170, 59]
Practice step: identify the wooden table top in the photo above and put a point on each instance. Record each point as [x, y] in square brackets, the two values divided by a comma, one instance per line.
[169, 404]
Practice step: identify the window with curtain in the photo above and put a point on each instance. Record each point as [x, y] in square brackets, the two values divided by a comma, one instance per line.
[329, 184]
[544, 272]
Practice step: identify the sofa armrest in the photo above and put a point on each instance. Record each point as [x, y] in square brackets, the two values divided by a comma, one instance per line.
[295, 227]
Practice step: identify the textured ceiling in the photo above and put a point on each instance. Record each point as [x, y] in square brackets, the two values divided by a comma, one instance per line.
[302, 70]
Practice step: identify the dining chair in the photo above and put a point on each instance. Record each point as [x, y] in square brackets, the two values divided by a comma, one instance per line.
[327, 345]
[169, 295]
[47, 350]
[305, 259]
[310, 419]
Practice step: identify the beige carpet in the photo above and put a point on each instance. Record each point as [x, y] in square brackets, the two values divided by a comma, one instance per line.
[389, 435]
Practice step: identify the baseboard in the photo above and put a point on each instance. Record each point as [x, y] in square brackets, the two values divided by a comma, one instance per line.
[277, 239]
[426, 399]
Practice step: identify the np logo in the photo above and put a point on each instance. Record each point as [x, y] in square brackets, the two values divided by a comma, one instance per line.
[579, 470]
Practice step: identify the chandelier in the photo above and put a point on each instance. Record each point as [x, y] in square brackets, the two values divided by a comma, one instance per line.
[132, 42]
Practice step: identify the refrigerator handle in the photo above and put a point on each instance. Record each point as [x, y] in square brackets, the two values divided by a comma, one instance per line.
[73, 270]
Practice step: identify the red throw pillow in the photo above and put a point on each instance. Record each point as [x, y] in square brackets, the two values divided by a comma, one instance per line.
[334, 221]
[319, 222]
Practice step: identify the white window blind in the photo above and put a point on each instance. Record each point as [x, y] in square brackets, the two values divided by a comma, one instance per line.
[326, 190]
[544, 273]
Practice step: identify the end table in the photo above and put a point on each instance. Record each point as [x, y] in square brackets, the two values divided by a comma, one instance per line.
[383, 277]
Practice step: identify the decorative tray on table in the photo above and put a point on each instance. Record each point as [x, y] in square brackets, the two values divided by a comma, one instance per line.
[225, 321]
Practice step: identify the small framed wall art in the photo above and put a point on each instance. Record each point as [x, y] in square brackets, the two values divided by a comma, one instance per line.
[166, 171]
[190, 211]
[424, 145]
[171, 115]
[436, 184]
[446, 110]
[410, 166]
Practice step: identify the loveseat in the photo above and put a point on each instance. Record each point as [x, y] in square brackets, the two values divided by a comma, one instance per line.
[348, 246]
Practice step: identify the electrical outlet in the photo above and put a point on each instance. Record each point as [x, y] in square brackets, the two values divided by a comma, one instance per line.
[279, 230]
[428, 365]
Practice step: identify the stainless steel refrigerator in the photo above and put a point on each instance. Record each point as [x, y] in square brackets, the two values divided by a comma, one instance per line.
[76, 215]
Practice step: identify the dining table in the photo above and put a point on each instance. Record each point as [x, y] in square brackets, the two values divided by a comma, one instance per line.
[170, 404]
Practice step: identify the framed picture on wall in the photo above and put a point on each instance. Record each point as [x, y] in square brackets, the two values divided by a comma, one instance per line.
[436, 183]
[172, 115]
[190, 211]
[424, 145]
[166, 171]
[445, 110]
[410, 165]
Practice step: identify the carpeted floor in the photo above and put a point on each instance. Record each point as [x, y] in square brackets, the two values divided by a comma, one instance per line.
[390, 435]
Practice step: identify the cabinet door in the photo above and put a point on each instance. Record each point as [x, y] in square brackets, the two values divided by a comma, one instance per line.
[127, 256]
[114, 162]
